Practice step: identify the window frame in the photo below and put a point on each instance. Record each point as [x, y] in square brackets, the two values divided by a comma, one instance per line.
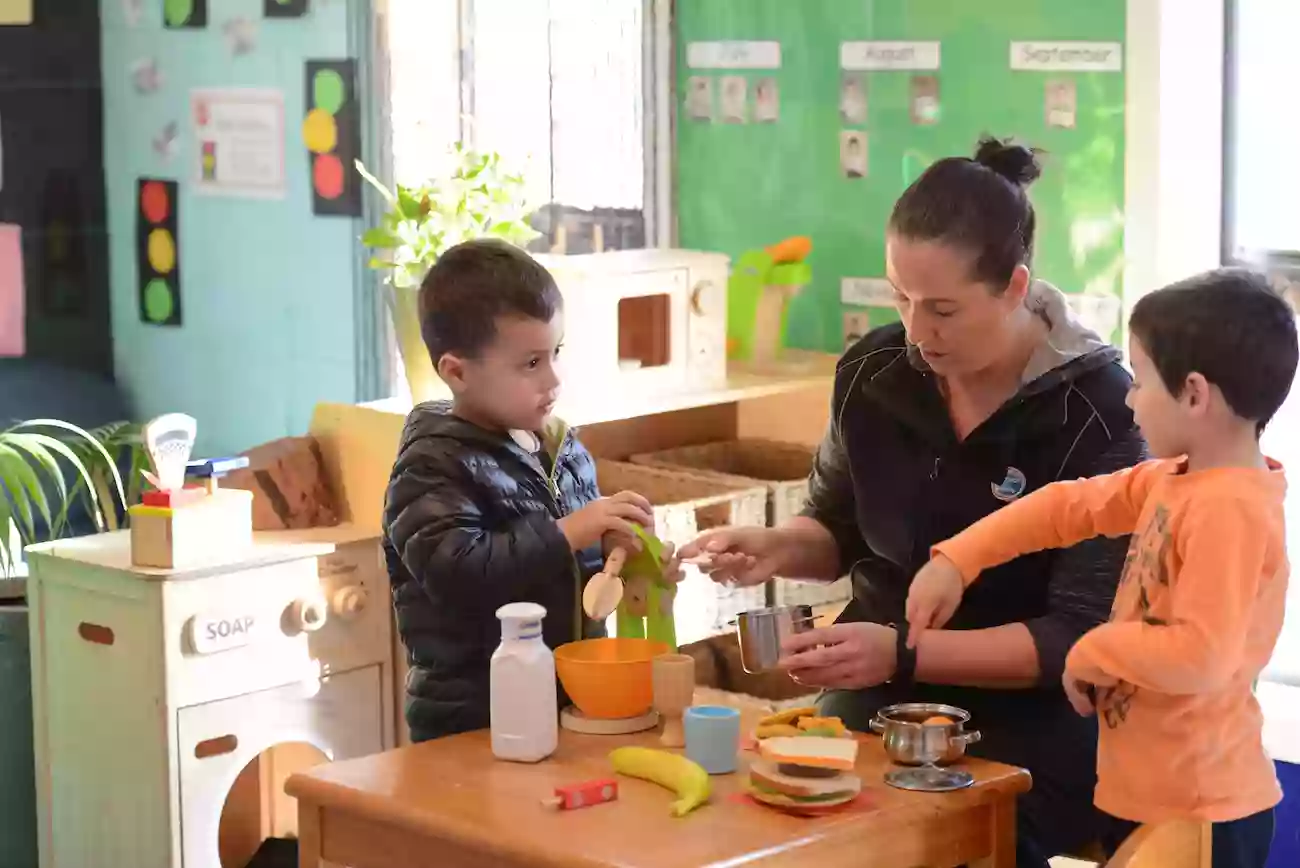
[658, 134]
[1284, 263]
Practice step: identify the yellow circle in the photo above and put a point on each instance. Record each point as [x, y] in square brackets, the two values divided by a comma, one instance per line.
[162, 251]
[319, 131]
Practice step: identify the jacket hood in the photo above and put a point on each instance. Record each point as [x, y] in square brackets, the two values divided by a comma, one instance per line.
[1068, 339]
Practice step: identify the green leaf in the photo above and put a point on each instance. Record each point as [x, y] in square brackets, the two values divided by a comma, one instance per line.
[43, 459]
[88, 439]
[18, 484]
[380, 237]
[25, 474]
[407, 205]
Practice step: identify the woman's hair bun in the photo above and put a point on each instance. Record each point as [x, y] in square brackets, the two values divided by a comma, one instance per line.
[1013, 161]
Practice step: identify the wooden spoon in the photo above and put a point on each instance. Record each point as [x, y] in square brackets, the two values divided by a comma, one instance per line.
[605, 589]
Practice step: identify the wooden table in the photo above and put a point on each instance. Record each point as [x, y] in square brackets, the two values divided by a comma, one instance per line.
[449, 804]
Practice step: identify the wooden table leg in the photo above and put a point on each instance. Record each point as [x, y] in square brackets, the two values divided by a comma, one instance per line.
[1002, 834]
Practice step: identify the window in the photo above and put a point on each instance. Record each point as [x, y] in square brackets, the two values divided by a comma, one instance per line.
[558, 87]
[1261, 201]
[1262, 135]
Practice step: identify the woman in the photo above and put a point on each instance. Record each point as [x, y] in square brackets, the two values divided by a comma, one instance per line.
[986, 390]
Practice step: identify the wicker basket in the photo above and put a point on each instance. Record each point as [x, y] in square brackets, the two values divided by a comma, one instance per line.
[685, 504]
[781, 468]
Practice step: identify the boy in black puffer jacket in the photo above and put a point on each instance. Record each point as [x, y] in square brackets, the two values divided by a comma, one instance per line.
[490, 502]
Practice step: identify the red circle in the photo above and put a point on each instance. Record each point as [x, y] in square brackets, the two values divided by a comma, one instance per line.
[154, 202]
[327, 174]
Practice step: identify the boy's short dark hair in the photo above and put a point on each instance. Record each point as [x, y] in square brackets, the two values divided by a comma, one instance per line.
[1230, 326]
[474, 283]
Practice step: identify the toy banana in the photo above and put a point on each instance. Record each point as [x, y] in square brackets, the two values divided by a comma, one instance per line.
[687, 779]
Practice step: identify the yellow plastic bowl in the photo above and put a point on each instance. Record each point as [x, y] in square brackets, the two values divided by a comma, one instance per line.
[609, 678]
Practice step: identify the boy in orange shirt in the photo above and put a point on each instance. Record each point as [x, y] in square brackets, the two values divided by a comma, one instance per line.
[1201, 600]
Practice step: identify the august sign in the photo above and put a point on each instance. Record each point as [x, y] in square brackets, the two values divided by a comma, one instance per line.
[878, 56]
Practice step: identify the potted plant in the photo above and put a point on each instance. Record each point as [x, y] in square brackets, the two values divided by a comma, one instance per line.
[35, 494]
[478, 198]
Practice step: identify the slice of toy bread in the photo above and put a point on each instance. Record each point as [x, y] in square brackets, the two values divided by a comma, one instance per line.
[812, 751]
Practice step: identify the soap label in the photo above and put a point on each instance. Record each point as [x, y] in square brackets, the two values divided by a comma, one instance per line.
[210, 633]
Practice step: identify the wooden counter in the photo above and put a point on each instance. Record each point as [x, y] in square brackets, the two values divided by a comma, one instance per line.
[448, 803]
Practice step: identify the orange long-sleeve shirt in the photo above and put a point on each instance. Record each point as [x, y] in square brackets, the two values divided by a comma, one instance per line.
[1198, 611]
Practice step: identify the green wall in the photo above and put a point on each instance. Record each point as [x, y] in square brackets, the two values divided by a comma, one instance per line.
[741, 186]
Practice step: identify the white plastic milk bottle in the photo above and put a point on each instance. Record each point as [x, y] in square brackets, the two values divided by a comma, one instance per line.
[525, 724]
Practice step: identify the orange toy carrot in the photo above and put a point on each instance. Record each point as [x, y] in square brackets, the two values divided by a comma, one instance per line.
[794, 249]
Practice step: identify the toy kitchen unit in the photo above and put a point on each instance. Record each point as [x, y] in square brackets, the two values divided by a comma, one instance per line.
[171, 703]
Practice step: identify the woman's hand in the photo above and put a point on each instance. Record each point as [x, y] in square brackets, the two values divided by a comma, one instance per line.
[851, 656]
[933, 598]
[743, 556]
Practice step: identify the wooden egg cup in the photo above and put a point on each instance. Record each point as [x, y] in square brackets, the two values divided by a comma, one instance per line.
[674, 691]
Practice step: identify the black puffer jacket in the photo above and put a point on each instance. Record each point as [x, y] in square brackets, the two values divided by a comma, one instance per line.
[470, 525]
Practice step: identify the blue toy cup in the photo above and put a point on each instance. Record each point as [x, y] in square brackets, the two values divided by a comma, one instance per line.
[712, 737]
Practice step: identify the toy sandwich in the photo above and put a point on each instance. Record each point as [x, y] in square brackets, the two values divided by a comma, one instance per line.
[805, 773]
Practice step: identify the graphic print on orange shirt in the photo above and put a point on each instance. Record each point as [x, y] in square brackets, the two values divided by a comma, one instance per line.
[1144, 565]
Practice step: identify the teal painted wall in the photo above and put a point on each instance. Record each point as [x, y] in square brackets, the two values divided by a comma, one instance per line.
[741, 186]
[269, 291]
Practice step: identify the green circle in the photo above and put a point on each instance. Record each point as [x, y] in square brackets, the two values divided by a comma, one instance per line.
[178, 11]
[327, 91]
[158, 301]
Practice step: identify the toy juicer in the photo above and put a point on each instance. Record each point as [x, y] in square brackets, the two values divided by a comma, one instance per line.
[610, 681]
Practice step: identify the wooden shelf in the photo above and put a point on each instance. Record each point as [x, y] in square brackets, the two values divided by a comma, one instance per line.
[359, 441]
[805, 370]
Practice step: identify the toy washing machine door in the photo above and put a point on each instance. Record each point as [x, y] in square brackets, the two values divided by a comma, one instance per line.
[228, 804]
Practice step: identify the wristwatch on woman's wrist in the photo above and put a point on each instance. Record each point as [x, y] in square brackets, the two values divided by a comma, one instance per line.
[905, 658]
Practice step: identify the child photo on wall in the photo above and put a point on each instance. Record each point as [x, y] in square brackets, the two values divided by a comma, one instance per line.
[733, 99]
[856, 324]
[766, 101]
[925, 100]
[1062, 100]
[699, 98]
[853, 153]
[853, 99]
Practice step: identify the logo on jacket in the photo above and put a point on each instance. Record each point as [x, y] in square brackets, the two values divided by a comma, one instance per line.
[1011, 487]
